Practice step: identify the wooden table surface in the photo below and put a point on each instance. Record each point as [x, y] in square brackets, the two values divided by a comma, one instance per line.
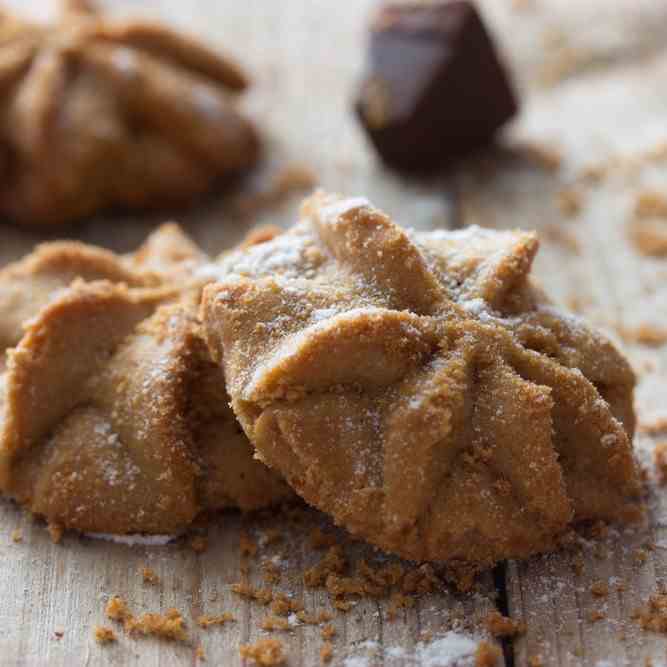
[593, 76]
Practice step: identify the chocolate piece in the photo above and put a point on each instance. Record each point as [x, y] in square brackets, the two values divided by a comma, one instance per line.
[435, 88]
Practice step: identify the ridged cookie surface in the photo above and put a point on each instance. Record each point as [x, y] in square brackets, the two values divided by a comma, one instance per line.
[419, 388]
[113, 417]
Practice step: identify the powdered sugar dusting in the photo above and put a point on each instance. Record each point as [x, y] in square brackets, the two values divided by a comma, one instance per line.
[134, 540]
[449, 650]
[283, 255]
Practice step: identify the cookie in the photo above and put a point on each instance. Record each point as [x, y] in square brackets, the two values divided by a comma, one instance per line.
[420, 388]
[113, 417]
[99, 112]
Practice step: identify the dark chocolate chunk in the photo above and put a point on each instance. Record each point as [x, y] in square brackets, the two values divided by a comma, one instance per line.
[435, 89]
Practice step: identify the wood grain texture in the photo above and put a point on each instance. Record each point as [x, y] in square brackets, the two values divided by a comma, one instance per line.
[597, 95]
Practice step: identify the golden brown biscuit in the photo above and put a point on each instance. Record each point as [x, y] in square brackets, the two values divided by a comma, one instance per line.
[99, 112]
[419, 388]
[113, 418]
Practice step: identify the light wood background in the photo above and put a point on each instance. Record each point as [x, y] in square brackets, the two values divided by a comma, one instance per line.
[593, 76]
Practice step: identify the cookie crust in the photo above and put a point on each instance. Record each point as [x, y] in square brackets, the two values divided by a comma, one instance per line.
[420, 388]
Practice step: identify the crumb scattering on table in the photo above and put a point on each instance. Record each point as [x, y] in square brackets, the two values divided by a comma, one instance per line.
[273, 623]
[165, 626]
[117, 609]
[16, 536]
[326, 652]
[170, 625]
[502, 626]
[149, 576]
[207, 620]
[246, 590]
[104, 635]
[265, 652]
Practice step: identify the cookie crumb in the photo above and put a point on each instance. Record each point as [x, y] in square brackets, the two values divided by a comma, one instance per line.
[535, 661]
[265, 652]
[168, 626]
[104, 635]
[245, 590]
[596, 615]
[283, 605]
[117, 609]
[16, 536]
[200, 654]
[314, 619]
[487, 654]
[206, 620]
[149, 576]
[502, 626]
[275, 623]
[326, 652]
